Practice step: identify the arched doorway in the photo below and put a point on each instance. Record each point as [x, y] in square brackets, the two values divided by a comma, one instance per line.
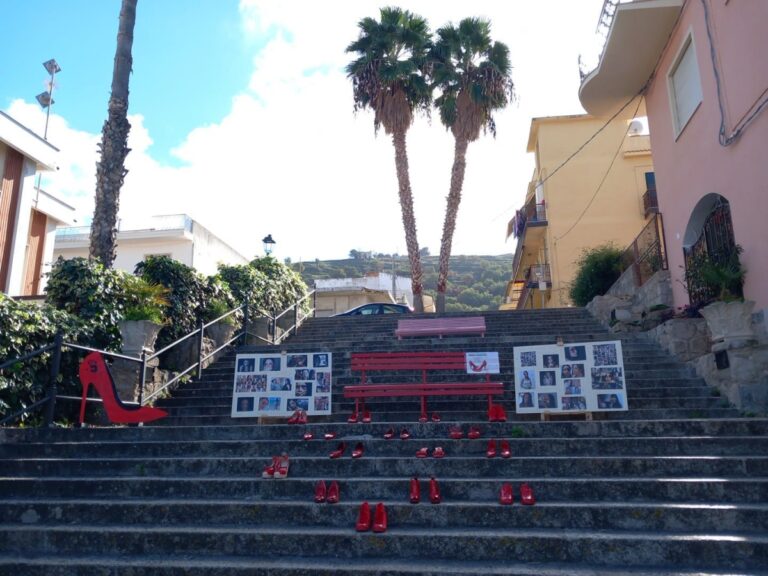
[708, 241]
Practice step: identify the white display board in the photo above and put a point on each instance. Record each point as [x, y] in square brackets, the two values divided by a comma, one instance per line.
[278, 384]
[575, 377]
[482, 362]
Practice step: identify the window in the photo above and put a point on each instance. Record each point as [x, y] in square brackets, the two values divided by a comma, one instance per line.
[684, 85]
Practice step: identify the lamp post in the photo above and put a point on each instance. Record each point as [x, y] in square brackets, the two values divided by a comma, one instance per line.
[46, 98]
[268, 244]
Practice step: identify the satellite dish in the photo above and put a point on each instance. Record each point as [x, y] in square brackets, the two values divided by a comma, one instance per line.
[635, 127]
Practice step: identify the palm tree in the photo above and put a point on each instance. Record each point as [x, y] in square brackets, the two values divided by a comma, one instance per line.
[473, 75]
[110, 169]
[388, 76]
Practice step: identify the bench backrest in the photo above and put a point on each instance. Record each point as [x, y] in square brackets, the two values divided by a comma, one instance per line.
[408, 361]
[461, 323]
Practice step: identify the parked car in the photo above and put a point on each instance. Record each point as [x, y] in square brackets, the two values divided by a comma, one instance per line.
[376, 308]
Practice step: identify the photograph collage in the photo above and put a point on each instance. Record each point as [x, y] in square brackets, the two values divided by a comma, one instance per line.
[279, 384]
[583, 377]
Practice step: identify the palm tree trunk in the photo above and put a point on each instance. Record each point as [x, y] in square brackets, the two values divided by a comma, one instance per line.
[110, 169]
[451, 210]
[409, 220]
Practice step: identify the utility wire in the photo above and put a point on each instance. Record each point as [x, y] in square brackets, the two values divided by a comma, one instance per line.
[605, 176]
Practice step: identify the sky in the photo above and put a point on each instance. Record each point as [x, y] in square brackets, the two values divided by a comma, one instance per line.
[242, 117]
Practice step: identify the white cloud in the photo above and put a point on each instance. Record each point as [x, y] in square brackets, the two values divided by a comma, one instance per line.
[292, 160]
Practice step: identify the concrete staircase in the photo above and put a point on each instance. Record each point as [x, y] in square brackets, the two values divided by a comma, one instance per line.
[676, 485]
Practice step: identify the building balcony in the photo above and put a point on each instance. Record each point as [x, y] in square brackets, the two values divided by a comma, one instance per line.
[650, 202]
[172, 225]
[522, 226]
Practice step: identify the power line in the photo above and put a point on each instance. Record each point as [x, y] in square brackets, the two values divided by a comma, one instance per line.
[605, 176]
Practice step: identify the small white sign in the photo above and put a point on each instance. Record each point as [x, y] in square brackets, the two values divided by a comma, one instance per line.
[482, 362]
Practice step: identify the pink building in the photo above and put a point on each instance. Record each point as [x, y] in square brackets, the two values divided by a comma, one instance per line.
[703, 68]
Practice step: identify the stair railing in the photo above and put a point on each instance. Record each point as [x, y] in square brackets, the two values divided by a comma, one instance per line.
[272, 336]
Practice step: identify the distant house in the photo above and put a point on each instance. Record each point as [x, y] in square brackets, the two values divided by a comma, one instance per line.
[603, 194]
[701, 65]
[28, 215]
[340, 294]
[177, 236]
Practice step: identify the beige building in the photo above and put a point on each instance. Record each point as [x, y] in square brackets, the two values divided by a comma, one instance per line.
[605, 193]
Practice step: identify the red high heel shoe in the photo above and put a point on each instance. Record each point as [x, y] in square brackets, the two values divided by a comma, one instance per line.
[507, 496]
[269, 471]
[504, 450]
[438, 452]
[526, 495]
[367, 417]
[364, 518]
[294, 418]
[329, 435]
[474, 433]
[320, 491]
[501, 414]
[422, 452]
[281, 470]
[339, 450]
[434, 491]
[389, 434]
[404, 434]
[455, 433]
[308, 435]
[491, 452]
[353, 418]
[302, 416]
[94, 372]
[333, 493]
[435, 417]
[492, 413]
[358, 451]
[415, 494]
[380, 518]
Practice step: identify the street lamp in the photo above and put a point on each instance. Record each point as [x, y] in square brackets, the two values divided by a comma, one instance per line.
[268, 244]
[46, 98]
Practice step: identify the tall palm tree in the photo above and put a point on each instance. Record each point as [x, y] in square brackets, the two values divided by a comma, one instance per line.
[388, 76]
[110, 169]
[473, 75]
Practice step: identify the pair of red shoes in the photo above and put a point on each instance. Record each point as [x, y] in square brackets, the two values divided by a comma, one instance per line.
[438, 452]
[503, 449]
[496, 413]
[364, 523]
[507, 496]
[435, 417]
[456, 433]
[278, 469]
[298, 417]
[326, 436]
[404, 434]
[329, 495]
[365, 417]
[415, 491]
[356, 453]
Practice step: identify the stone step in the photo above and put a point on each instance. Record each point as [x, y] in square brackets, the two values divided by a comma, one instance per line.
[639, 548]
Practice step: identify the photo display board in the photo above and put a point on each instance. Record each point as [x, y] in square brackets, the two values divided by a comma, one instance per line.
[279, 384]
[576, 377]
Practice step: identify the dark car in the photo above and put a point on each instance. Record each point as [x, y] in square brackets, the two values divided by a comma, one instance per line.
[376, 308]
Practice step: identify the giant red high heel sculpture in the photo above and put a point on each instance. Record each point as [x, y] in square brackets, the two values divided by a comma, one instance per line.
[94, 372]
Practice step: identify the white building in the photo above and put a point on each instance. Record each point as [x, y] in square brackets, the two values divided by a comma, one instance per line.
[176, 235]
[28, 216]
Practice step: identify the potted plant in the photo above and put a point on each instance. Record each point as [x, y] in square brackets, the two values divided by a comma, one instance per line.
[143, 315]
[223, 330]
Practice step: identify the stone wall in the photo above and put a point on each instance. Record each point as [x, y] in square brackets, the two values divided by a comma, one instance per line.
[684, 338]
[656, 290]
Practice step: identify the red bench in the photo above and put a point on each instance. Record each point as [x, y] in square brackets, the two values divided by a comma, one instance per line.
[440, 326]
[423, 362]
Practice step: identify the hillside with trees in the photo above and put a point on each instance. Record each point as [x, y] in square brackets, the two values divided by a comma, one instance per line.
[476, 282]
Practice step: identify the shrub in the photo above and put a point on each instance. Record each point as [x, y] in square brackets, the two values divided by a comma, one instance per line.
[598, 269]
[144, 301]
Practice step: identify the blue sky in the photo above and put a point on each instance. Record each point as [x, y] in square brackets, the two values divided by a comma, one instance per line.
[242, 117]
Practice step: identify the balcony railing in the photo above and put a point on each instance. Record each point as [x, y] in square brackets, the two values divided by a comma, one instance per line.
[532, 214]
[156, 223]
[648, 253]
[650, 202]
[536, 274]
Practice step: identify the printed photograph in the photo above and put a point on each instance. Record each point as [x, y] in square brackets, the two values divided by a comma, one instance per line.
[245, 404]
[607, 379]
[244, 383]
[605, 354]
[572, 387]
[269, 403]
[551, 360]
[548, 378]
[297, 360]
[527, 358]
[280, 384]
[574, 403]
[304, 374]
[525, 400]
[320, 361]
[269, 365]
[246, 365]
[303, 389]
[296, 403]
[610, 402]
[577, 370]
[566, 371]
[526, 379]
[260, 383]
[547, 401]
[323, 382]
[575, 353]
[322, 403]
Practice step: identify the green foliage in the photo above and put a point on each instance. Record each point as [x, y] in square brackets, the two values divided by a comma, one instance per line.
[144, 300]
[91, 292]
[717, 278]
[598, 269]
[283, 285]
